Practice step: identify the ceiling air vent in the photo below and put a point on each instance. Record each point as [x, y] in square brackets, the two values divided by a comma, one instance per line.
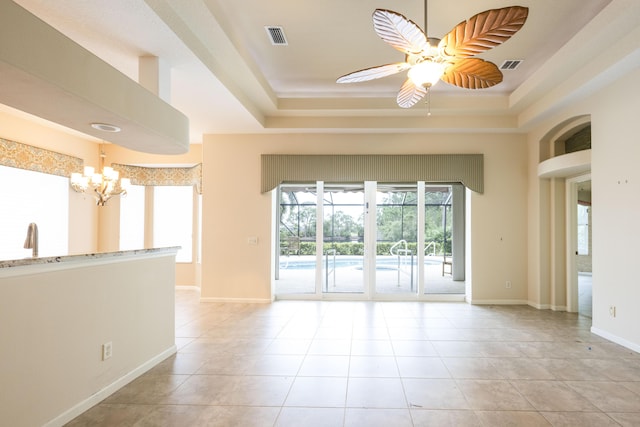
[276, 35]
[510, 64]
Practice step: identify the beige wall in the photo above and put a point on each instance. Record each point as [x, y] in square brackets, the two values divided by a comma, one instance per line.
[615, 230]
[615, 188]
[234, 209]
[83, 215]
[93, 229]
[187, 274]
[54, 319]
[516, 234]
[117, 154]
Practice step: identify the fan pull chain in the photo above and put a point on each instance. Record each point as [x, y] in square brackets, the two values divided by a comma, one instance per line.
[428, 100]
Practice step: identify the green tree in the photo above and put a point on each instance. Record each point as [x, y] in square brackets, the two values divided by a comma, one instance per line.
[296, 219]
[340, 225]
[396, 217]
[435, 231]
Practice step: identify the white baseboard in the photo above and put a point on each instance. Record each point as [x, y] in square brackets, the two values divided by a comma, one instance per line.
[547, 306]
[539, 306]
[616, 339]
[98, 397]
[188, 288]
[443, 298]
[498, 302]
[237, 300]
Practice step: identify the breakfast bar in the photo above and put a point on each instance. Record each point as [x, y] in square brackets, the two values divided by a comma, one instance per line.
[86, 324]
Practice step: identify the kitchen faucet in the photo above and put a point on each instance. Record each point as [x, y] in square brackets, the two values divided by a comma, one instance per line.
[31, 242]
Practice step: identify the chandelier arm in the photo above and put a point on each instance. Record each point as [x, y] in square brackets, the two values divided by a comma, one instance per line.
[104, 185]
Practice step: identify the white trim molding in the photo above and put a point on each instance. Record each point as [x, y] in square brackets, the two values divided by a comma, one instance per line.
[616, 339]
[98, 397]
[237, 300]
[499, 302]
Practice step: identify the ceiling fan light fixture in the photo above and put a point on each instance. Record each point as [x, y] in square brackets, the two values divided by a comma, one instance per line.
[429, 60]
[426, 73]
[432, 48]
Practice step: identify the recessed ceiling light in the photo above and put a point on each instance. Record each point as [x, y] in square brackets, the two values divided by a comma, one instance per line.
[105, 127]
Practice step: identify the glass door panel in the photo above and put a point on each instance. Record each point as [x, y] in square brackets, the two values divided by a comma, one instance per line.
[371, 239]
[296, 266]
[343, 236]
[396, 239]
[437, 230]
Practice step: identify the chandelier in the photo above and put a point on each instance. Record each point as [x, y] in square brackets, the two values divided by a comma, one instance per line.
[104, 185]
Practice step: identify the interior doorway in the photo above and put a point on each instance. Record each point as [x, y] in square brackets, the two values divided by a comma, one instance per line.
[579, 256]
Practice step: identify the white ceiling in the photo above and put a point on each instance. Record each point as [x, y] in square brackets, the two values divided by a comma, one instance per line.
[226, 77]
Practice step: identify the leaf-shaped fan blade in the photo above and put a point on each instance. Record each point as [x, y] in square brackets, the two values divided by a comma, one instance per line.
[373, 73]
[410, 94]
[472, 73]
[399, 32]
[484, 31]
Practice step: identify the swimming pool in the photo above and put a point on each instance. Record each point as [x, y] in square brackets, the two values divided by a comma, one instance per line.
[382, 262]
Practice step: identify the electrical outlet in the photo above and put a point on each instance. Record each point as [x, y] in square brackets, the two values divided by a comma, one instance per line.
[107, 350]
[507, 284]
[612, 311]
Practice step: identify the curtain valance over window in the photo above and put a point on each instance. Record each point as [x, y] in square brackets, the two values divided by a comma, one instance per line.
[141, 175]
[17, 155]
[467, 169]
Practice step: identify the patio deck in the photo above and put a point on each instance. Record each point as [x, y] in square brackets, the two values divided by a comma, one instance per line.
[297, 276]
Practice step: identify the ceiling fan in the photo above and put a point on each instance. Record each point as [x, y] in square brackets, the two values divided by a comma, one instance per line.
[449, 59]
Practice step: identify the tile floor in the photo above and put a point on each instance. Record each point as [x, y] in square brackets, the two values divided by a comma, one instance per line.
[307, 363]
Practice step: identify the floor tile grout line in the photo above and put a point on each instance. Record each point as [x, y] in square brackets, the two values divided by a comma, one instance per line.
[610, 355]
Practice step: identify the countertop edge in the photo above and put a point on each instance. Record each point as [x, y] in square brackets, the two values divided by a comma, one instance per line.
[87, 257]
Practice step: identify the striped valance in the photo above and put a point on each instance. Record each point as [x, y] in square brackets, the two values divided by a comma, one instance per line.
[23, 156]
[141, 175]
[467, 169]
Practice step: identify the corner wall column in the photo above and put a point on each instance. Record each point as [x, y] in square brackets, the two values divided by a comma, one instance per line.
[154, 74]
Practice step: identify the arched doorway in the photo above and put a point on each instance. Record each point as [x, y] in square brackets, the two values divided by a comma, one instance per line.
[564, 168]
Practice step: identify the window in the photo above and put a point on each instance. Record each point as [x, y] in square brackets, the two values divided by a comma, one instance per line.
[173, 219]
[27, 197]
[132, 218]
[583, 230]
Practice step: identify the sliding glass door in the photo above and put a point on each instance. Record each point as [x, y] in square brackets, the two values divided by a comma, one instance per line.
[343, 238]
[373, 240]
[296, 251]
[396, 239]
[444, 239]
